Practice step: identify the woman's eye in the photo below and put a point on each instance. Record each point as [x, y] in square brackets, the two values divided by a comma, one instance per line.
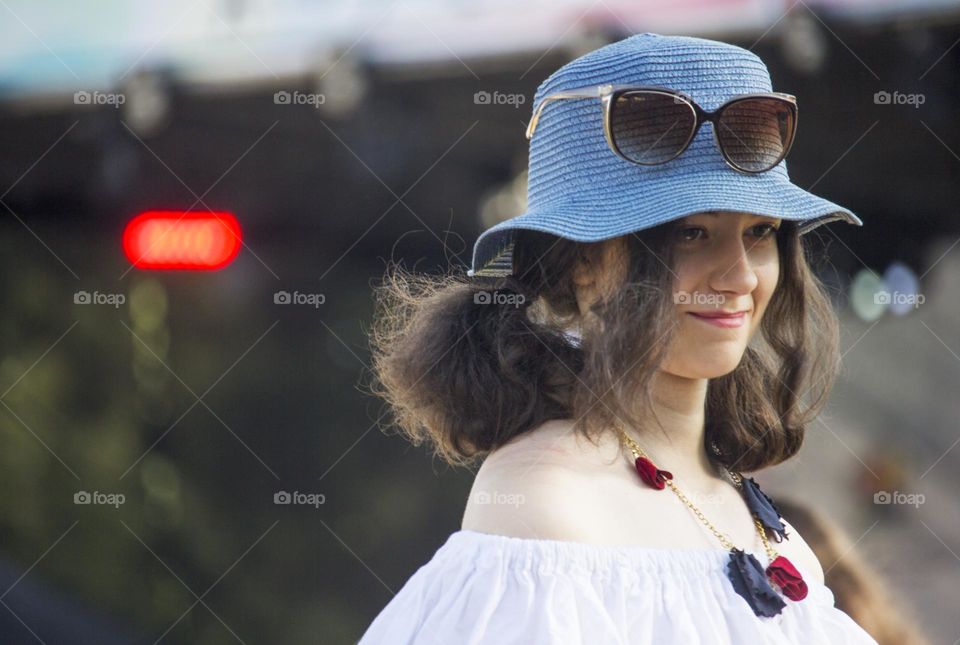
[765, 230]
[688, 233]
[760, 231]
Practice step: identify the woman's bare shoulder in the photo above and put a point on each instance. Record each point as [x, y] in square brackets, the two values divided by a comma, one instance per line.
[528, 487]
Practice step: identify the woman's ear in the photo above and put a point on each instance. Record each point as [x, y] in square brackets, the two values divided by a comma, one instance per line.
[585, 278]
[583, 272]
[588, 263]
[598, 271]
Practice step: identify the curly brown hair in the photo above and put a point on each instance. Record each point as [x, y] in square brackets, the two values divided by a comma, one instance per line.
[467, 364]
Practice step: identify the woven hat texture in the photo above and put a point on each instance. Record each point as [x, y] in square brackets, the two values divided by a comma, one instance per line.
[579, 189]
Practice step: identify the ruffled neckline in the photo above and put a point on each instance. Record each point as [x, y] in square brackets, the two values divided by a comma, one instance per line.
[542, 555]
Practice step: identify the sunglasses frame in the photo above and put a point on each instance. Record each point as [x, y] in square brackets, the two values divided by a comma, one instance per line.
[608, 93]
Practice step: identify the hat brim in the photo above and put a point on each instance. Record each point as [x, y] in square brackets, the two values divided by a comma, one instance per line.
[768, 195]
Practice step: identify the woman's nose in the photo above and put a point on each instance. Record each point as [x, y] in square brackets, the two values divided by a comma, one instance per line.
[733, 269]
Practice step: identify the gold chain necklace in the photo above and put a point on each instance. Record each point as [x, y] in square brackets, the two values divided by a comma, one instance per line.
[727, 544]
[749, 578]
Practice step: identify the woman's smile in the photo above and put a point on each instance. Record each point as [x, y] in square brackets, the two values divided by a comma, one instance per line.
[721, 319]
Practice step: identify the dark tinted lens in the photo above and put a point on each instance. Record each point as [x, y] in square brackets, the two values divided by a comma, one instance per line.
[756, 133]
[650, 127]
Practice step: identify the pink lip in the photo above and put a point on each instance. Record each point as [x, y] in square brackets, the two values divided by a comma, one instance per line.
[727, 321]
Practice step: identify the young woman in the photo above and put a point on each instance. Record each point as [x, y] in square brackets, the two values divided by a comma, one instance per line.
[619, 355]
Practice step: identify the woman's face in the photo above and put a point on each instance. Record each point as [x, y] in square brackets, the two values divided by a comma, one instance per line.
[725, 262]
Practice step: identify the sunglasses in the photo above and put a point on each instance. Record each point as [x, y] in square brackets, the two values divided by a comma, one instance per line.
[652, 125]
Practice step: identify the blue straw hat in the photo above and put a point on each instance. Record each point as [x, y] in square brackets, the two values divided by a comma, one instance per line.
[580, 190]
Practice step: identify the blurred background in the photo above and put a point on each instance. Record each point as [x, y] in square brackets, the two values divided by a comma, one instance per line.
[188, 455]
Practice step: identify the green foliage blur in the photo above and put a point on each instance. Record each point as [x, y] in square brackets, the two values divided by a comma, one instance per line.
[104, 398]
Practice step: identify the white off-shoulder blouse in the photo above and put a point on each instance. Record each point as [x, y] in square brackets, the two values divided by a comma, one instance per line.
[481, 588]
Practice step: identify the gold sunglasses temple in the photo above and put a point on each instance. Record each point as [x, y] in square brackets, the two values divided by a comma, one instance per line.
[533, 121]
[580, 93]
[536, 113]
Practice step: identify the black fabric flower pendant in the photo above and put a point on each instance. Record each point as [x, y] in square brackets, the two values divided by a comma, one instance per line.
[750, 581]
[760, 504]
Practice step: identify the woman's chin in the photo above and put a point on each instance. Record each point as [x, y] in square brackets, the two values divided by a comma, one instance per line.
[710, 366]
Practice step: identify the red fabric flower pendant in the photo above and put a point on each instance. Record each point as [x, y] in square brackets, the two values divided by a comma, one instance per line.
[782, 572]
[650, 474]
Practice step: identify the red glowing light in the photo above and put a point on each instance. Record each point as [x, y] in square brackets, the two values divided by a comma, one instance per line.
[199, 241]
